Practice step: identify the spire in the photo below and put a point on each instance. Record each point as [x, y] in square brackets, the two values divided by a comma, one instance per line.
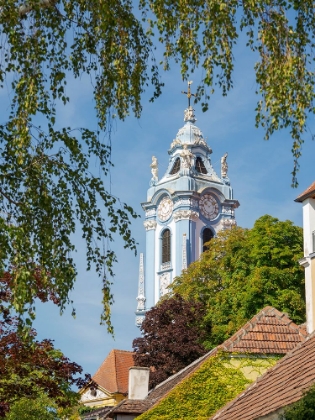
[188, 93]
[189, 113]
[141, 296]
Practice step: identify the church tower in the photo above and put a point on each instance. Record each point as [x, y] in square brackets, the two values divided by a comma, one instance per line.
[187, 207]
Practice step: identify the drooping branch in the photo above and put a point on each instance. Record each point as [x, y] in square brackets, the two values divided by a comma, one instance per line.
[16, 203]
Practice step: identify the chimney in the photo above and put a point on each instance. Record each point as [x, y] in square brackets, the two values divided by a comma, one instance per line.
[307, 198]
[138, 386]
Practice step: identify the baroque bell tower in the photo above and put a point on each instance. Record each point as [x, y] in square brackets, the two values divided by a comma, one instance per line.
[184, 209]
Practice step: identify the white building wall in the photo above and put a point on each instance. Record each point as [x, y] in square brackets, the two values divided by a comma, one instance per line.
[308, 225]
[308, 262]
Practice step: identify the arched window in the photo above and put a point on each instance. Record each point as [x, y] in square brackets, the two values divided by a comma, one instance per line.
[207, 235]
[166, 246]
[176, 167]
[200, 166]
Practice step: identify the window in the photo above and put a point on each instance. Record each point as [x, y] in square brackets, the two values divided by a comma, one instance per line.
[176, 167]
[200, 167]
[207, 235]
[166, 246]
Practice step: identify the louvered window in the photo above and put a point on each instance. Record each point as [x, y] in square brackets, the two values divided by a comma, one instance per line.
[166, 246]
[206, 237]
[200, 167]
[175, 167]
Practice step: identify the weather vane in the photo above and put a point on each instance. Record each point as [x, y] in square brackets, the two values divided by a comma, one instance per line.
[188, 93]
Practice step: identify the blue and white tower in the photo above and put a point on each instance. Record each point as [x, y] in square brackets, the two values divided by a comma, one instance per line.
[187, 207]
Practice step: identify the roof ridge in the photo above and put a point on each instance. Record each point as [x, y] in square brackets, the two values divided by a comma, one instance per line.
[248, 328]
[291, 323]
[239, 334]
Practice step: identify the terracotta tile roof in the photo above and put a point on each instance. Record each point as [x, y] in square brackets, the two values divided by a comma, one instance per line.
[269, 332]
[132, 406]
[278, 387]
[308, 193]
[113, 373]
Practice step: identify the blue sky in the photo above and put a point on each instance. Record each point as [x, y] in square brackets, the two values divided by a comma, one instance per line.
[260, 174]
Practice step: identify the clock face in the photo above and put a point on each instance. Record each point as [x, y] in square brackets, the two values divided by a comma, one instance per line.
[209, 207]
[165, 209]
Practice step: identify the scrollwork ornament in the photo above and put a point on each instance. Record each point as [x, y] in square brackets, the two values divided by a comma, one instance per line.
[182, 202]
[228, 223]
[139, 320]
[186, 202]
[149, 224]
[228, 211]
[175, 142]
[150, 213]
[186, 214]
[165, 280]
[141, 303]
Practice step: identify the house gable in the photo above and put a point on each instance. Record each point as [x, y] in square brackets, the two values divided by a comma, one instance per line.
[109, 385]
[280, 386]
[268, 332]
[97, 396]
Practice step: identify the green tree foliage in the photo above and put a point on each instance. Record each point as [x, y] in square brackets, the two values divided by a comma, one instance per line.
[33, 409]
[42, 407]
[245, 270]
[47, 186]
[304, 409]
[171, 336]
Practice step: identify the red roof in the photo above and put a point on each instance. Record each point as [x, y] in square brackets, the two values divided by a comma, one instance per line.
[308, 193]
[269, 332]
[113, 373]
[279, 387]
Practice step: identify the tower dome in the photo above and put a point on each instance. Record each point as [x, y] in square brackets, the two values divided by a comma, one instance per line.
[189, 133]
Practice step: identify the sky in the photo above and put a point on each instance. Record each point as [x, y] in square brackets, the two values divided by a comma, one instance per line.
[259, 171]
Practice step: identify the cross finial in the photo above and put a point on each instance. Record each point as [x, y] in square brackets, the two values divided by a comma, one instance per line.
[188, 93]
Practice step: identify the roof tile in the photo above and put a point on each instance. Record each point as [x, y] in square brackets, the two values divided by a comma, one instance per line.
[270, 331]
[309, 192]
